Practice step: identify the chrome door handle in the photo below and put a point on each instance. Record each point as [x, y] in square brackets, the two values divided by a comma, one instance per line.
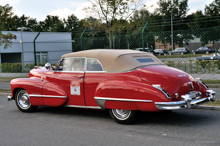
[80, 76]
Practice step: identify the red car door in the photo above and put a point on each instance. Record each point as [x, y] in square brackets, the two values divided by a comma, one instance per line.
[69, 80]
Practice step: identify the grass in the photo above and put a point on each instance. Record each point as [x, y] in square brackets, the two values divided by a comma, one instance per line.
[181, 56]
[5, 91]
[215, 103]
[211, 81]
[8, 79]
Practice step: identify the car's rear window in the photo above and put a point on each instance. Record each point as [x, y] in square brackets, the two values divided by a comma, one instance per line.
[145, 60]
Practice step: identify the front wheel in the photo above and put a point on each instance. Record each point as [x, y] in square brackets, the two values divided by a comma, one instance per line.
[23, 103]
[123, 116]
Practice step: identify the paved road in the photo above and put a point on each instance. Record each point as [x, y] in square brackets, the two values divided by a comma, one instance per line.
[5, 86]
[69, 126]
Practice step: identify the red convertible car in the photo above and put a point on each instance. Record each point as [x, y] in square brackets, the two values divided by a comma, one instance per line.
[121, 81]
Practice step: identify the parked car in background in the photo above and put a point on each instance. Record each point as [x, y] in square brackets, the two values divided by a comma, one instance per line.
[145, 50]
[120, 81]
[214, 56]
[159, 52]
[204, 50]
[179, 51]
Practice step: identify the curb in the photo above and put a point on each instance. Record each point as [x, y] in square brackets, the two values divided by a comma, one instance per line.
[4, 94]
[204, 107]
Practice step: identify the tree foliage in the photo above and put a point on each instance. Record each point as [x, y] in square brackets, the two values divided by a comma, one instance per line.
[111, 13]
[5, 20]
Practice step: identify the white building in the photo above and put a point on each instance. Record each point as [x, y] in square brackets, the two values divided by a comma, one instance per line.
[50, 46]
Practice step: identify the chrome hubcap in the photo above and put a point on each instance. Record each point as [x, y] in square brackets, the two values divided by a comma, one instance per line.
[121, 114]
[23, 100]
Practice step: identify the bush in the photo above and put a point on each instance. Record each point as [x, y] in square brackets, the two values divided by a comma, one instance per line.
[11, 67]
[17, 67]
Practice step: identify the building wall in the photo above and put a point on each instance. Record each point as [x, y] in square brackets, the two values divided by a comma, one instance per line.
[54, 43]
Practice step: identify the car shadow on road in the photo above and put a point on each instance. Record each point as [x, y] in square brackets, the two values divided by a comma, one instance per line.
[68, 111]
[180, 117]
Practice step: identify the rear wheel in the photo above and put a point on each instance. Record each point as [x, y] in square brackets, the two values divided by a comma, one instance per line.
[123, 116]
[23, 103]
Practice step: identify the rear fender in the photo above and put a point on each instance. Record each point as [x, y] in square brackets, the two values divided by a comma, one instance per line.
[128, 95]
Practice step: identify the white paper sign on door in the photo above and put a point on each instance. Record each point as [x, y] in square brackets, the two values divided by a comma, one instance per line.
[75, 88]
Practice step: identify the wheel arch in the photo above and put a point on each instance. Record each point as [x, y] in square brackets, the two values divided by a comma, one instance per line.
[15, 91]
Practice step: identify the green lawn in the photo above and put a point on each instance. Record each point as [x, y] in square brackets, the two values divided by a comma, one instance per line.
[215, 103]
[181, 56]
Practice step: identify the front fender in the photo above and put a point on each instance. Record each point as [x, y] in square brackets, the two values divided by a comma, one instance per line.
[31, 85]
[40, 92]
[129, 95]
[54, 95]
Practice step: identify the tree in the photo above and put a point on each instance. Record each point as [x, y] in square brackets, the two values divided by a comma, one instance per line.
[5, 17]
[52, 24]
[109, 11]
[179, 9]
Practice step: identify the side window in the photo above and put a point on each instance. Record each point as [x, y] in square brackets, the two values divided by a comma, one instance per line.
[74, 64]
[93, 65]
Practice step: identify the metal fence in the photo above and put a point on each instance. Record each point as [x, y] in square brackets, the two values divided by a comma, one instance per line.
[192, 39]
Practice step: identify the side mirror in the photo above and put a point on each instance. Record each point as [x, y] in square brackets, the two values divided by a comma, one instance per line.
[48, 66]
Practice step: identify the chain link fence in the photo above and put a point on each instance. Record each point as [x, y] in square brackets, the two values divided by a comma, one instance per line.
[191, 39]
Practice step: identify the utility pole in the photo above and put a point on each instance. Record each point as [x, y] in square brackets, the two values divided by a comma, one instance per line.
[172, 24]
[143, 40]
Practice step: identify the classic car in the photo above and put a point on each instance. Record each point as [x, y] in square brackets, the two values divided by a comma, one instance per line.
[179, 51]
[121, 81]
[214, 56]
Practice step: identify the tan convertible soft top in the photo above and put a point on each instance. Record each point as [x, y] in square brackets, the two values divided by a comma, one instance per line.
[117, 60]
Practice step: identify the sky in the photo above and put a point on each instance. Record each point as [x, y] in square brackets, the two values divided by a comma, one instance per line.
[39, 9]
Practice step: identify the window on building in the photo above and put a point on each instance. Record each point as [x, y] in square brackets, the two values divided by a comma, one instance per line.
[41, 57]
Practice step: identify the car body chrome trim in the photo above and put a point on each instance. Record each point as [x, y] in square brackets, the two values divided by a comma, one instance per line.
[187, 102]
[47, 96]
[203, 84]
[122, 99]
[101, 100]
[158, 86]
[9, 97]
[79, 106]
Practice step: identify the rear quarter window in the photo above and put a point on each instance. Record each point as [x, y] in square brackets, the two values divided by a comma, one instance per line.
[145, 60]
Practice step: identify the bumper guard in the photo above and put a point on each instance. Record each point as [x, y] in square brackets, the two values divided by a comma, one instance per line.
[9, 97]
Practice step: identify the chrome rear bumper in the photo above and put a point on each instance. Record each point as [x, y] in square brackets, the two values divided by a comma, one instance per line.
[186, 102]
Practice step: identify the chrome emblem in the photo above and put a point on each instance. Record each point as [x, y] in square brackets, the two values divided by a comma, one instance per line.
[181, 75]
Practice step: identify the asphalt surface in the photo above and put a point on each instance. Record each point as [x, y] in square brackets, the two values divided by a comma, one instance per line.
[5, 86]
[69, 126]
